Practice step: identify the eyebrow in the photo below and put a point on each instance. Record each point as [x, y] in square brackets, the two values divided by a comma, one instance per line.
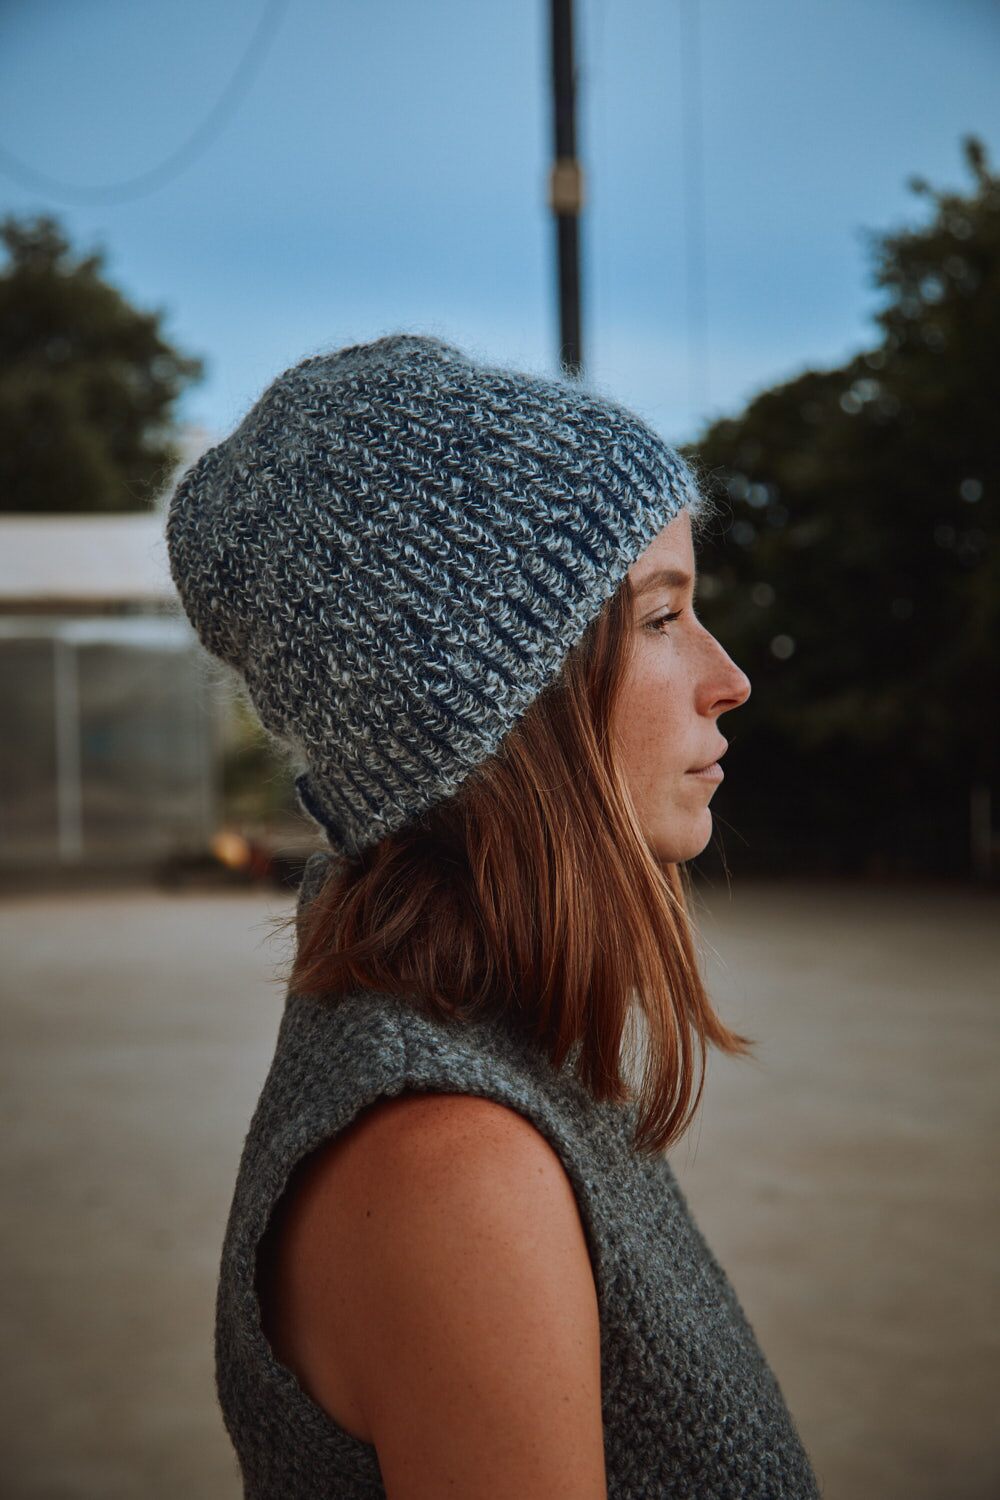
[671, 578]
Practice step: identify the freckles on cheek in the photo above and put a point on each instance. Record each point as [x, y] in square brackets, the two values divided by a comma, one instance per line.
[648, 708]
[661, 688]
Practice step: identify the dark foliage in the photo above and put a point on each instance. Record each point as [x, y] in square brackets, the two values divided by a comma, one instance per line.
[87, 382]
[855, 574]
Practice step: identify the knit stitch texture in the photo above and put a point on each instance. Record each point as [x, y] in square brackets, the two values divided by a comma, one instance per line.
[396, 549]
[691, 1409]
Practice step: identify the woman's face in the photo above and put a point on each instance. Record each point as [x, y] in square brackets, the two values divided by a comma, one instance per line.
[679, 684]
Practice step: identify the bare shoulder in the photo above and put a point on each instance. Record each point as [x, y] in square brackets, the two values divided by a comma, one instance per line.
[425, 1123]
[446, 1276]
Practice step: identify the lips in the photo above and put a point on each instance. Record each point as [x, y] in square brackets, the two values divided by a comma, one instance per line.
[717, 757]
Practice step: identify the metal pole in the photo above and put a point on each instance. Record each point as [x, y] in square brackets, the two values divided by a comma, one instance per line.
[69, 792]
[566, 187]
[981, 838]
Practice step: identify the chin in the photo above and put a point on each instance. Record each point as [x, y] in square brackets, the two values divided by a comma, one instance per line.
[673, 848]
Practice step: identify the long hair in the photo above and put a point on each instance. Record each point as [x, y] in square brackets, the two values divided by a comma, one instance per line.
[533, 892]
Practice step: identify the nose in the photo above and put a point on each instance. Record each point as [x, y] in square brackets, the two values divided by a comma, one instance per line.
[726, 686]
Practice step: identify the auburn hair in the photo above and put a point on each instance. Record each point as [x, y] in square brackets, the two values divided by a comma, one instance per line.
[533, 891]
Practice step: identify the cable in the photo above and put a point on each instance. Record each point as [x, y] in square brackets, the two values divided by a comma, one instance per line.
[694, 207]
[596, 94]
[185, 155]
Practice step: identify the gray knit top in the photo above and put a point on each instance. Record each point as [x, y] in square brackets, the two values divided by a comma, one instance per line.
[691, 1407]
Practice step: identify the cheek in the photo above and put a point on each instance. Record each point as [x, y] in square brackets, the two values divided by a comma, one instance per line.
[649, 713]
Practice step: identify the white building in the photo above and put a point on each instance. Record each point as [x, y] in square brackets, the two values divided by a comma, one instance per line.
[111, 736]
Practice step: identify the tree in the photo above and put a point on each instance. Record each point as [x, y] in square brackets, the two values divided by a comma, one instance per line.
[856, 577]
[87, 382]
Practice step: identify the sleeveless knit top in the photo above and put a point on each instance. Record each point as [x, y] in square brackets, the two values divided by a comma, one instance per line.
[690, 1405]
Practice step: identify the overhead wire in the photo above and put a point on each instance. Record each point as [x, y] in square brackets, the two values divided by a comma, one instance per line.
[185, 155]
[695, 227]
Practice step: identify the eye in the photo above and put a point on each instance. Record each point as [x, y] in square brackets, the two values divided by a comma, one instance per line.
[663, 620]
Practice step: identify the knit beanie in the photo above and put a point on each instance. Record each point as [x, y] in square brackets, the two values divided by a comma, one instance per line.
[396, 549]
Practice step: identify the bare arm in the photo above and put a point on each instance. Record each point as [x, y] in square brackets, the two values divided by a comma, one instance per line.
[441, 1274]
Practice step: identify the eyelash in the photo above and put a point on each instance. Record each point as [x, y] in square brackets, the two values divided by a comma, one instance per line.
[663, 619]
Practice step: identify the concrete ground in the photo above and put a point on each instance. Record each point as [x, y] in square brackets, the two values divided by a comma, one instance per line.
[846, 1178]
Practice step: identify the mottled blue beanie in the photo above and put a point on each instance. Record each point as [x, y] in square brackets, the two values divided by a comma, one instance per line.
[397, 548]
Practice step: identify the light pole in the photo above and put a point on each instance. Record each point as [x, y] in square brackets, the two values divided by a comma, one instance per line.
[566, 187]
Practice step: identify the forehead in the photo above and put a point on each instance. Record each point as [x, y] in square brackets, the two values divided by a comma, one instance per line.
[671, 549]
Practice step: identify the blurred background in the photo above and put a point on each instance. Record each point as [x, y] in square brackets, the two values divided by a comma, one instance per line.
[774, 231]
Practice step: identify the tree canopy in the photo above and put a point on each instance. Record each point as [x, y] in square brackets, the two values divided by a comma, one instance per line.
[855, 575]
[87, 382]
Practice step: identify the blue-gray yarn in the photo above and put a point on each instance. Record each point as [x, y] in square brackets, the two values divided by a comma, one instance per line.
[396, 549]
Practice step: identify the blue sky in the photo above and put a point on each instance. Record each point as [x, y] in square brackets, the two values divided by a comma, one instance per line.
[386, 167]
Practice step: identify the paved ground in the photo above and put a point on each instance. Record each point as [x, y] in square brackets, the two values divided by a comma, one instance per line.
[846, 1178]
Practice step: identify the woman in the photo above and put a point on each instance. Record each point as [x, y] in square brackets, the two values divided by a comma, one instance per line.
[457, 1261]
